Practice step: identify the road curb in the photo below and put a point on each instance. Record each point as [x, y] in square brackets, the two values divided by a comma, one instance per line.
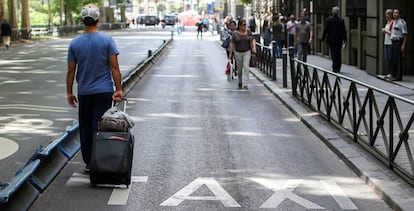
[386, 184]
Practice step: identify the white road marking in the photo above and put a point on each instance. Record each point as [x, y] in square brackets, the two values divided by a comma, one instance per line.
[7, 147]
[120, 196]
[339, 195]
[78, 179]
[284, 192]
[185, 194]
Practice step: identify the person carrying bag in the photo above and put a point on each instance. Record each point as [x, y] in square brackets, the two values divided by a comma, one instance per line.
[244, 45]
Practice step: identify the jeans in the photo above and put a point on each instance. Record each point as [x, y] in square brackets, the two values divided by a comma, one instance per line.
[243, 66]
[303, 49]
[278, 47]
[91, 109]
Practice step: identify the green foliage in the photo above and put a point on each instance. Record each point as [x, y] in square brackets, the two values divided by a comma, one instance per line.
[246, 1]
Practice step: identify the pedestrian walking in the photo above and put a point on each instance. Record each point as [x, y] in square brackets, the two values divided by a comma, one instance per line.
[387, 41]
[277, 30]
[291, 27]
[252, 23]
[399, 36]
[242, 44]
[267, 34]
[93, 58]
[303, 37]
[199, 25]
[335, 35]
[6, 32]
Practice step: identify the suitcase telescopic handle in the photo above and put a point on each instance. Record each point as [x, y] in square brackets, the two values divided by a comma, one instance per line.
[125, 103]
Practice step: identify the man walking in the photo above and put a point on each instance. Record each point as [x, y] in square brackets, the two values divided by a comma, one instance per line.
[303, 37]
[291, 27]
[335, 35]
[6, 32]
[93, 58]
[399, 39]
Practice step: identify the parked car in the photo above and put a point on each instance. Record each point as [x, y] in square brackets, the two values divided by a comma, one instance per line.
[170, 20]
[151, 20]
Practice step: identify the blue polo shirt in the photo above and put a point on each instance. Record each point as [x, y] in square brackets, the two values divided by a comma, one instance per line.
[91, 53]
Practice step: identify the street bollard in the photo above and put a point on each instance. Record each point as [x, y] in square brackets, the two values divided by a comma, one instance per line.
[274, 47]
[172, 33]
[149, 53]
[284, 67]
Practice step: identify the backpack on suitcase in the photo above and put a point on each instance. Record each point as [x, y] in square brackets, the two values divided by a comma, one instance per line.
[112, 153]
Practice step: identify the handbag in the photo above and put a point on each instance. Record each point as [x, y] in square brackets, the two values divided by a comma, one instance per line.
[115, 120]
[227, 68]
[253, 60]
[226, 43]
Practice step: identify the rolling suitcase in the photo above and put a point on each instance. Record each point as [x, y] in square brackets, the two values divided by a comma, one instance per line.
[111, 161]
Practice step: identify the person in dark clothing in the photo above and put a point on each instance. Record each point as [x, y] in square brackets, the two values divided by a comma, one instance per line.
[6, 32]
[252, 24]
[335, 35]
[200, 25]
[399, 37]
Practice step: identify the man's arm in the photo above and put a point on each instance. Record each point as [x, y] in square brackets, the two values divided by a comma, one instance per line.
[70, 77]
[405, 37]
[117, 77]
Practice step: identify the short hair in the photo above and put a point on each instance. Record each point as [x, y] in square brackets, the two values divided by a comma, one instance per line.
[335, 10]
[388, 11]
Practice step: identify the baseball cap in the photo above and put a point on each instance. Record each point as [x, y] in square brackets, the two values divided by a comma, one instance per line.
[91, 11]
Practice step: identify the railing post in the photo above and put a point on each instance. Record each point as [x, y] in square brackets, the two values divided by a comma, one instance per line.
[284, 67]
[292, 70]
[274, 49]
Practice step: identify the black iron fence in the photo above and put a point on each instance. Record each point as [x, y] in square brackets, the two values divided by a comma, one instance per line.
[378, 120]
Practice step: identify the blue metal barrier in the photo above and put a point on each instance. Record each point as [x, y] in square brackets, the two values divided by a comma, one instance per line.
[20, 188]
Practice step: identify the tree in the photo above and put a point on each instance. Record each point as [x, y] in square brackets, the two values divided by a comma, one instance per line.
[13, 14]
[25, 19]
[1, 11]
[246, 1]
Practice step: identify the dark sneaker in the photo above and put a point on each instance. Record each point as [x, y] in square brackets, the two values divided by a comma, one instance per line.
[245, 87]
[240, 85]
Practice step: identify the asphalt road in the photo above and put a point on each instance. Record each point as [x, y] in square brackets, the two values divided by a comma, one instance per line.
[203, 144]
[33, 106]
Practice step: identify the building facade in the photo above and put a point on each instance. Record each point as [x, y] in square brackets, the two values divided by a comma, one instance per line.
[364, 20]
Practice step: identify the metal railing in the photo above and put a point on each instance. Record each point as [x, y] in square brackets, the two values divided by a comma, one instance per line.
[378, 120]
[266, 60]
[34, 33]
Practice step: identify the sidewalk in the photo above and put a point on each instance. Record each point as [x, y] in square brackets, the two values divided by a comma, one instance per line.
[398, 194]
[363, 76]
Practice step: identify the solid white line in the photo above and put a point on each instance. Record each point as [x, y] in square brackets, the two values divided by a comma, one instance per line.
[120, 196]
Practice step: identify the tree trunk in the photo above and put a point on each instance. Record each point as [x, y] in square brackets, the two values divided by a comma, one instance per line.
[26, 27]
[13, 14]
[123, 18]
[1, 11]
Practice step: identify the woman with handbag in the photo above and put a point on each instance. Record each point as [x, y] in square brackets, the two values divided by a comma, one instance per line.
[243, 45]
